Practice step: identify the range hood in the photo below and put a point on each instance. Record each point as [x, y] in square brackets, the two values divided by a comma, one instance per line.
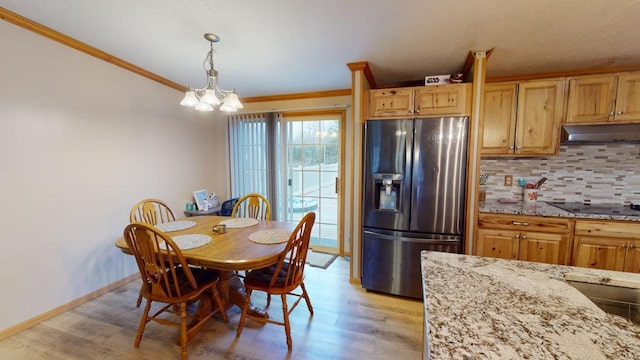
[607, 132]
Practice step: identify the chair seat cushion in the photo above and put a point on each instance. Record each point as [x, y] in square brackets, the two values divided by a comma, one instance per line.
[262, 277]
[202, 277]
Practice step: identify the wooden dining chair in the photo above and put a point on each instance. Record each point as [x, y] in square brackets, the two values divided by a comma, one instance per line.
[151, 211]
[254, 206]
[175, 286]
[282, 278]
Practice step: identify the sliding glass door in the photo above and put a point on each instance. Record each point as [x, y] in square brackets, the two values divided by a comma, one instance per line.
[311, 174]
[293, 159]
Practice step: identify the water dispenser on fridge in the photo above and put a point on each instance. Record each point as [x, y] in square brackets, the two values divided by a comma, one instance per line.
[388, 192]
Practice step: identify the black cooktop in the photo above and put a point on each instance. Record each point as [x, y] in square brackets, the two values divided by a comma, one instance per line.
[598, 209]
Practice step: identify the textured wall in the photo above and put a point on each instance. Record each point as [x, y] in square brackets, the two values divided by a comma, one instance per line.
[596, 173]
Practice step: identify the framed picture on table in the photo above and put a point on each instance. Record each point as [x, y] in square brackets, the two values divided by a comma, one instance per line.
[202, 199]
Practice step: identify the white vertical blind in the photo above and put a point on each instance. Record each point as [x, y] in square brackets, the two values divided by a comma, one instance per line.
[253, 142]
[248, 143]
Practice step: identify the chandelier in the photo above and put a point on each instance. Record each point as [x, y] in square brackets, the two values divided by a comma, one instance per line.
[211, 95]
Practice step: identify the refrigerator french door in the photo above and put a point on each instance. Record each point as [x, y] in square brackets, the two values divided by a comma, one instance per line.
[414, 193]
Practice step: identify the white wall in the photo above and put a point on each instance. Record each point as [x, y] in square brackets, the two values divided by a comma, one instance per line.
[81, 141]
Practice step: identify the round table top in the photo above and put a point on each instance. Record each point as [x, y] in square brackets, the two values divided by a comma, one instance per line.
[230, 251]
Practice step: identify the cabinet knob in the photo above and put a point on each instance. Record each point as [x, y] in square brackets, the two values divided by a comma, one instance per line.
[511, 147]
[517, 236]
[623, 246]
[620, 112]
[612, 113]
[632, 246]
[417, 111]
[524, 236]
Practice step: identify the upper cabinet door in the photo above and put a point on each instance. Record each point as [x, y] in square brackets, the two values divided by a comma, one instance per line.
[499, 118]
[591, 99]
[628, 98]
[441, 100]
[539, 117]
[391, 102]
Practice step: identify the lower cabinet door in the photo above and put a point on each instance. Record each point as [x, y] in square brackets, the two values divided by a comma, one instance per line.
[543, 247]
[501, 244]
[599, 253]
[632, 259]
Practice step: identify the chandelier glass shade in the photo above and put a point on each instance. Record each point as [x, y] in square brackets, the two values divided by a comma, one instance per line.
[206, 98]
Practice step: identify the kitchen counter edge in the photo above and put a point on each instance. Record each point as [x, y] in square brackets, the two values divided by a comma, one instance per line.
[543, 209]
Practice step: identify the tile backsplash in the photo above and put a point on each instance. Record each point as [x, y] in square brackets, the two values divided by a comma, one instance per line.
[592, 173]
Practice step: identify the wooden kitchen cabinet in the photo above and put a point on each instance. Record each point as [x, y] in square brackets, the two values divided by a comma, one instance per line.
[528, 238]
[497, 243]
[391, 102]
[599, 253]
[442, 100]
[607, 245]
[499, 118]
[523, 119]
[423, 101]
[604, 99]
[632, 258]
[628, 98]
[544, 247]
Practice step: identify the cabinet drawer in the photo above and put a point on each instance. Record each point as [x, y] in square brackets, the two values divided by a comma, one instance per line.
[524, 223]
[608, 229]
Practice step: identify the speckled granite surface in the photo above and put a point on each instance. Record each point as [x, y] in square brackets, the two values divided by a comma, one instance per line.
[541, 209]
[485, 308]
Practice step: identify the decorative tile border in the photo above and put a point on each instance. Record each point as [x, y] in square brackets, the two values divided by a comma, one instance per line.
[596, 173]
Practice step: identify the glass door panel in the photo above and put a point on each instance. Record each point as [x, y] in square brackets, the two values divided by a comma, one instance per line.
[312, 166]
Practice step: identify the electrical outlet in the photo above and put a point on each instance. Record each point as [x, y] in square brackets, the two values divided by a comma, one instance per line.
[508, 180]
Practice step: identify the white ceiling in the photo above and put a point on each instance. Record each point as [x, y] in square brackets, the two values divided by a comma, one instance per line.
[290, 46]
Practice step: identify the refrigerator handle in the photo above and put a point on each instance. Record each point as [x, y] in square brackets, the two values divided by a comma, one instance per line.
[452, 238]
[381, 236]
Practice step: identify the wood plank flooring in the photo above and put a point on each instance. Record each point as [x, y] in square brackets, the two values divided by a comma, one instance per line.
[349, 323]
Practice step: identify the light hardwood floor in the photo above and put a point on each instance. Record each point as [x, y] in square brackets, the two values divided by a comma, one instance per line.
[349, 323]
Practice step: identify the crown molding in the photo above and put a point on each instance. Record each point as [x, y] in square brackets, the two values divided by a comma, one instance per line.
[297, 96]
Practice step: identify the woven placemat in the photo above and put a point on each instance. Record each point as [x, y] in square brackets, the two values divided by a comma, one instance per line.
[272, 236]
[239, 222]
[191, 241]
[175, 226]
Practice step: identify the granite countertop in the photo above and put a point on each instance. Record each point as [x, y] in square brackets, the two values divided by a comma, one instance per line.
[486, 308]
[541, 208]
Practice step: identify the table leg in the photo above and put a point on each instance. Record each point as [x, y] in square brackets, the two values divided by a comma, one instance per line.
[232, 292]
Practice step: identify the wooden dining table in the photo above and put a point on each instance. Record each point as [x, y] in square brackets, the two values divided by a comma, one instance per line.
[229, 252]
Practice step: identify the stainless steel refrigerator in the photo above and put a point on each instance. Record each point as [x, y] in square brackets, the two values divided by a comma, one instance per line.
[414, 193]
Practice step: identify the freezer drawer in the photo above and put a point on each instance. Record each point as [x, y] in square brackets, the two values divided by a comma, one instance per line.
[391, 260]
